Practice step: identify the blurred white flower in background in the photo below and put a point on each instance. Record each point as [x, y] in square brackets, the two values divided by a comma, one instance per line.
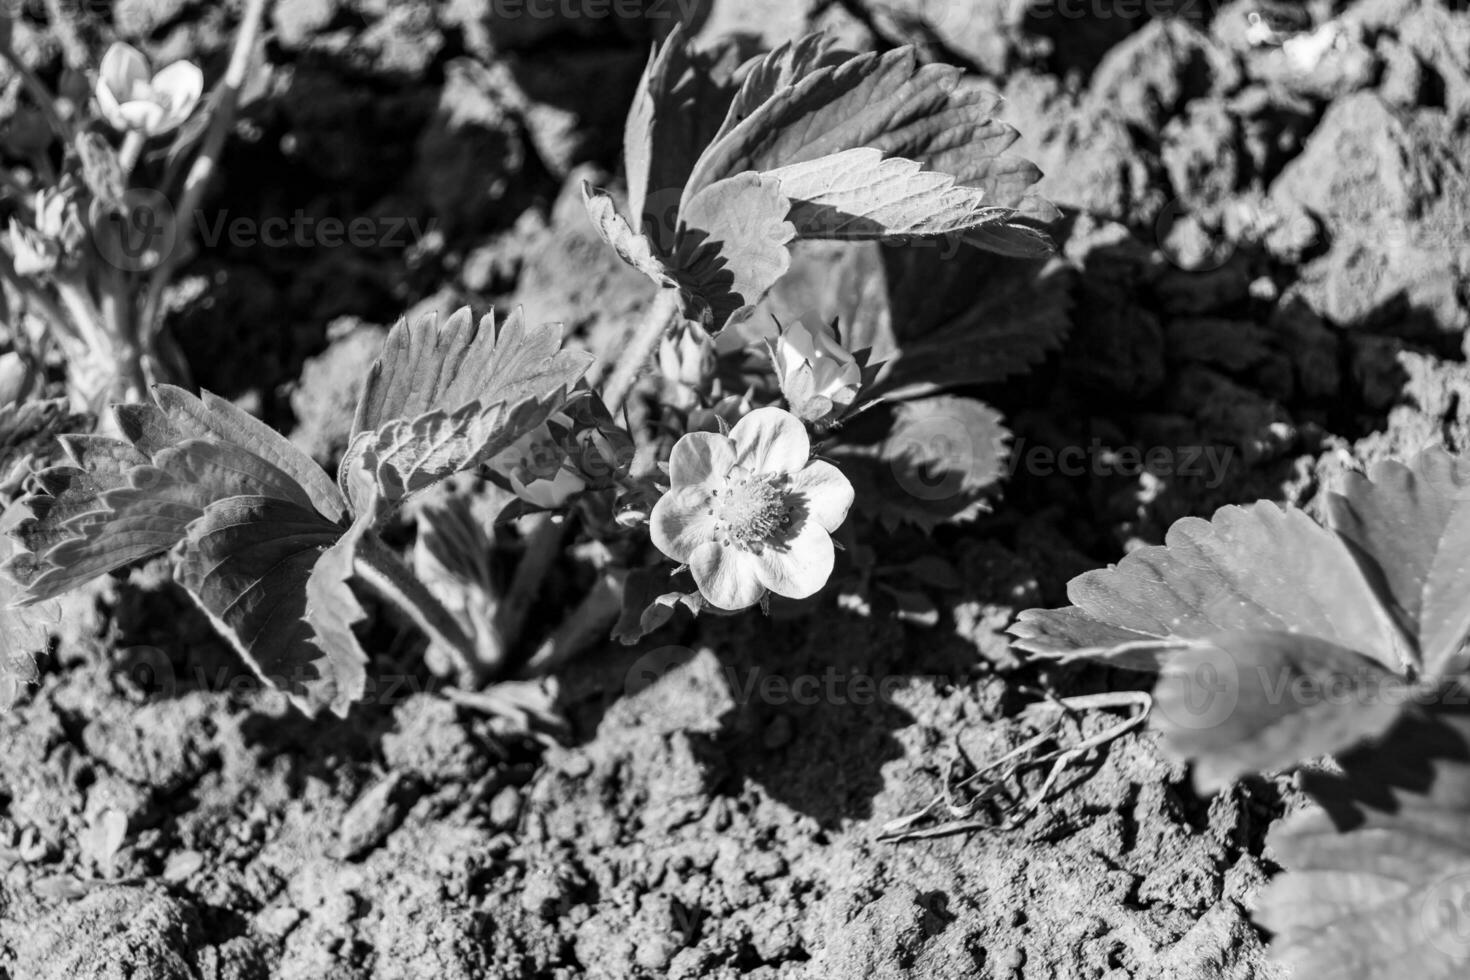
[133, 99]
[537, 468]
[751, 512]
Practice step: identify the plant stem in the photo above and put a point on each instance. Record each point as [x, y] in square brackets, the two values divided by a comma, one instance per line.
[203, 166]
[386, 574]
[543, 541]
[592, 618]
[651, 329]
[40, 94]
[132, 148]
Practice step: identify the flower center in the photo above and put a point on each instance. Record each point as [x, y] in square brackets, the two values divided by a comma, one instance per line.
[750, 511]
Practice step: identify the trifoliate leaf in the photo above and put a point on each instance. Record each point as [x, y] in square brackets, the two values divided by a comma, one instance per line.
[250, 562]
[934, 466]
[1251, 701]
[876, 145]
[445, 398]
[1410, 527]
[1259, 567]
[1376, 885]
[116, 506]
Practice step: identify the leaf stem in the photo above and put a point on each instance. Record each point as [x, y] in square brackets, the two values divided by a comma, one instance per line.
[592, 618]
[655, 323]
[203, 166]
[386, 574]
[543, 541]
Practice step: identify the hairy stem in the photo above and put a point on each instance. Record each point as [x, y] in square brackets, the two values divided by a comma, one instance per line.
[591, 620]
[132, 148]
[386, 574]
[651, 329]
[543, 541]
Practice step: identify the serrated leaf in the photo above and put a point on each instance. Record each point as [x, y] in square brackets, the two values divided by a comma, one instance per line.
[28, 429]
[859, 194]
[1377, 884]
[22, 633]
[1410, 526]
[732, 247]
[934, 466]
[764, 76]
[674, 115]
[441, 399]
[1259, 567]
[633, 248]
[116, 508]
[1251, 701]
[249, 562]
[211, 417]
[885, 101]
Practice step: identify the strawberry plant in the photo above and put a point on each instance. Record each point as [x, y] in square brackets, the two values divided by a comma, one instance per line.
[262, 539]
[1279, 640]
[92, 237]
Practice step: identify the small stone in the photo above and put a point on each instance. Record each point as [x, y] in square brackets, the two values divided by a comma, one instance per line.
[505, 808]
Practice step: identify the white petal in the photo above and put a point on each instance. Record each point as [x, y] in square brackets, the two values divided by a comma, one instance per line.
[108, 107]
[179, 86]
[771, 440]
[800, 566]
[824, 494]
[728, 578]
[700, 457]
[681, 522]
[123, 66]
[145, 117]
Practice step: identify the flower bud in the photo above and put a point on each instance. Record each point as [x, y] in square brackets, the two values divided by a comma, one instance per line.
[537, 469]
[687, 356]
[819, 377]
[132, 99]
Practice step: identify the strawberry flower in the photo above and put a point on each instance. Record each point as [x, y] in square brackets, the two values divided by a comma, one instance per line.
[751, 512]
[132, 99]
